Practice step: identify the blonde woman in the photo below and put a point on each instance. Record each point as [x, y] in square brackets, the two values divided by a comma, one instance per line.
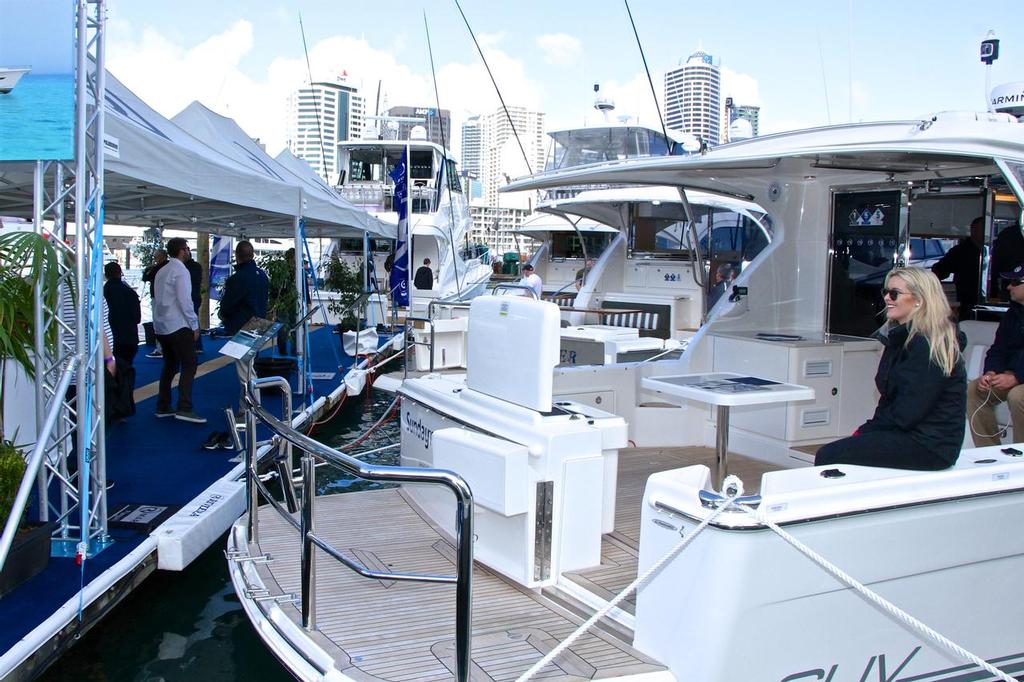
[919, 420]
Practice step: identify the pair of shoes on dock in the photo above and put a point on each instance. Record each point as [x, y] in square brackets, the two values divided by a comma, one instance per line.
[181, 415]
[219, 440]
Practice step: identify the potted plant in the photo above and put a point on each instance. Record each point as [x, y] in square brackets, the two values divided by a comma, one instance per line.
[347, 282]
[25, 258]
[30, 551]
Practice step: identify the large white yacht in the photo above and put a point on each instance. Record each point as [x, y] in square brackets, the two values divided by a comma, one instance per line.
[9, 77]
[439, 221]
[590, 486]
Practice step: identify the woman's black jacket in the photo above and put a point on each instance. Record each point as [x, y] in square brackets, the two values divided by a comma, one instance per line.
[917, 398]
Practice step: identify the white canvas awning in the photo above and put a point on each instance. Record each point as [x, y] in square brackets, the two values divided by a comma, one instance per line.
[158, 174]
[327, 214]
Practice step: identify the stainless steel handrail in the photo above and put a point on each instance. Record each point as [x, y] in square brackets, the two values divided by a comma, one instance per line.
[34, 461]
[409, 333]
[463, 516]
[505, 285]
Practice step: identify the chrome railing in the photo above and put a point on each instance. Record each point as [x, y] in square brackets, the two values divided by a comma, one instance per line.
[306, 524]
[34, 461]
[504, 285]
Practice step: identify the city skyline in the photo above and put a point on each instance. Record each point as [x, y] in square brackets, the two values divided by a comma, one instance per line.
[803, 63]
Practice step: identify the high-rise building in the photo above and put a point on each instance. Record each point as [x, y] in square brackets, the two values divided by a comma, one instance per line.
[496, 227]
[319, 117]
[438, 127]
[472, 147]
[741, 112]
[501, 158]
[693, 97]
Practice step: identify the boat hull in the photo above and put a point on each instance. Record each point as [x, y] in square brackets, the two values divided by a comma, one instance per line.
[9, 78]
[741, 603]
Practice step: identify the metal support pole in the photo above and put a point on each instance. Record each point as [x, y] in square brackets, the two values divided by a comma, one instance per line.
[39, 363]
[251, 491]
[464, 587]
[306, 530]
[722, 445]
[300, 304]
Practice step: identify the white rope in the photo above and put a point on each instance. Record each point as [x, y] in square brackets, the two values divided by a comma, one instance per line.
[735, 488]
[880, 601]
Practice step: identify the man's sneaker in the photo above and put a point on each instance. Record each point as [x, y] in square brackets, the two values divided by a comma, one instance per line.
[226, 441]
[187, 416]
[155, 353]
[164, 413]
[213, 442]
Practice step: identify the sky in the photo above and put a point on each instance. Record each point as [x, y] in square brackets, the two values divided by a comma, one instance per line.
[804, 62]
[31, 32]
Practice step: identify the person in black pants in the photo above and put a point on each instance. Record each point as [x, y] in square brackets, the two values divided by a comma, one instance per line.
[177, 328]
[195, 273]
[125, 313]
[919, 421]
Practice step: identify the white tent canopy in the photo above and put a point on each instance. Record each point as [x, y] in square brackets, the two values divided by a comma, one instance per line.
[158, 174]
[324, 210]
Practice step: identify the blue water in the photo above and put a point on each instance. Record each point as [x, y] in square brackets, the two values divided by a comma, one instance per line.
[189, 626]
[37, 119]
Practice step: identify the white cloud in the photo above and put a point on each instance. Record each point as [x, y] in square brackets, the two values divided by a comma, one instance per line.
[741, 87]
[560, 49]
[169, 76]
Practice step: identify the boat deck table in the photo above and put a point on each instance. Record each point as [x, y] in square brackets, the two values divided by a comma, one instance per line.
[725, 390]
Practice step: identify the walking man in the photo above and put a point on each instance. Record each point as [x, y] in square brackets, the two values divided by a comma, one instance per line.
[177, 328]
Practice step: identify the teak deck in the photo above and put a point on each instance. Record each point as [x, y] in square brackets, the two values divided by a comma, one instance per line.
[388, 630]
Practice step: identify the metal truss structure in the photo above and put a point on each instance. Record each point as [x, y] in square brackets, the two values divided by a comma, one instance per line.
[72, 482]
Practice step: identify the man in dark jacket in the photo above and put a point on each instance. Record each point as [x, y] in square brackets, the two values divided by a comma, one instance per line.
[424, 278]
[124, 313]
[149, 275]
[963, 261]
[1004, 371]
[245, 292]
[195, 274]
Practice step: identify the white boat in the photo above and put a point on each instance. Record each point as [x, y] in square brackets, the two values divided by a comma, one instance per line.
[439, 221]
[9, 78]
[584, 478]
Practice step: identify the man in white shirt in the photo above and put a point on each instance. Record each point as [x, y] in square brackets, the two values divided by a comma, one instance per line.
[532, 280]
[177, 328]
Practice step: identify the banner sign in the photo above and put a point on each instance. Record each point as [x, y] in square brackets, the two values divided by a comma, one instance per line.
[400, 268]
[220, 265]
[37, 80]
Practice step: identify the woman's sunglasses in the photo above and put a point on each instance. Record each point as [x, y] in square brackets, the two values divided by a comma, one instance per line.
[1014, 282]
[893, 294]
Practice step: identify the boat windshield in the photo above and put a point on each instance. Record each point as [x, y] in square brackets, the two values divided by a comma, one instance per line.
[595, 145]
[568, 245]
[374, 164]
[659, 231]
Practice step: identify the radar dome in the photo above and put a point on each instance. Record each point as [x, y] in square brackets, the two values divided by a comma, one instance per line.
[1008, 98]
[741, 130]
[418, 133]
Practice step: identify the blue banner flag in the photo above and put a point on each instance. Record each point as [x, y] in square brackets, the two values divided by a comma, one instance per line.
[400, 267]
[220, 265]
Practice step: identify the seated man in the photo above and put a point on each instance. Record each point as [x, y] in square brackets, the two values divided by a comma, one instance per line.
[1004, 370]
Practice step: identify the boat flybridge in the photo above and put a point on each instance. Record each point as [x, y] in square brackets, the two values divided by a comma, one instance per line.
[439, 221]
[591, 494]
[9, 77]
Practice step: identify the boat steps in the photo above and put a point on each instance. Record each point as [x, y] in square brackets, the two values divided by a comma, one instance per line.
[388, 630]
